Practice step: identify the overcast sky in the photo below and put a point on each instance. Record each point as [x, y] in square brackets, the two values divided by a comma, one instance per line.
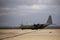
[16, 12]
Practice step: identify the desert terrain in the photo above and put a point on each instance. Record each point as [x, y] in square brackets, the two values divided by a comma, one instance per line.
[40, 34]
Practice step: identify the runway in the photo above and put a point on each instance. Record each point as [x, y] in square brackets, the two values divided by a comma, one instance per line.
[18, 34]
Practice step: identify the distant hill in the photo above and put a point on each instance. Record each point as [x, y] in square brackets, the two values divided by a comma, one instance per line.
[53, 27]
[17, 27]
[8, 27]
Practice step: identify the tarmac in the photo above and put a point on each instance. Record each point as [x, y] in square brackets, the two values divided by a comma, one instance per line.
[40, 34]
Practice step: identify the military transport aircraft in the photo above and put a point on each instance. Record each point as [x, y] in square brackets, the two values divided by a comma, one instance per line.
[37, 26]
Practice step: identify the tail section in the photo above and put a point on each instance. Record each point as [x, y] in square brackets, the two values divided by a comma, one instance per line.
[49, 21]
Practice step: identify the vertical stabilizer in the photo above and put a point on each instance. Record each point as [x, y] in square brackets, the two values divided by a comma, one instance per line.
[49, 21]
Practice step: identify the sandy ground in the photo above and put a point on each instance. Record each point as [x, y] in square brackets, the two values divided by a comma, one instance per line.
[41, 34]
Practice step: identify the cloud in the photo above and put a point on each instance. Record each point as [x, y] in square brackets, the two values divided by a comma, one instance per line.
[5, 11]
[49, 2]
[14, 3]
[32, 6]
[25, 10]
[22, 10]
[15, 11]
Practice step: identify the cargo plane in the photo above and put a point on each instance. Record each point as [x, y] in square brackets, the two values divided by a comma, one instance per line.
[37, 26]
